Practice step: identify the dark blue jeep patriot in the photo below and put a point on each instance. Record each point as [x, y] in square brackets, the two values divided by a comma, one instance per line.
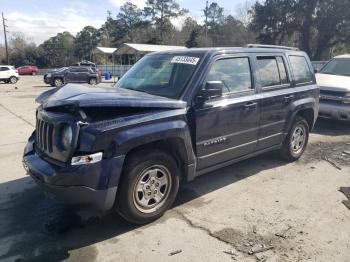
[173, 116]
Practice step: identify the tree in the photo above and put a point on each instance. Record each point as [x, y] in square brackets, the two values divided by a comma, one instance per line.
[214, 19]
[193, 38]
[314, 25]
[85, 43]
[130, 17]
[215, 14]
[160, 13]
[57, 51]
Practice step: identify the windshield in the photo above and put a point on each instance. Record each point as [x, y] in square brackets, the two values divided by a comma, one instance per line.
[162, 75]
[337, 67]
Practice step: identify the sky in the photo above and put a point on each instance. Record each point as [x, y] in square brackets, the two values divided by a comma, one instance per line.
[39, 20]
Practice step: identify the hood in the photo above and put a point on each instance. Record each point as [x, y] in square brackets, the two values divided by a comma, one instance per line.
[333, 82]
[85, 96]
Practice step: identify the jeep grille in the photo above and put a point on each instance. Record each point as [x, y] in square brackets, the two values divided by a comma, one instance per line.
[44, 135]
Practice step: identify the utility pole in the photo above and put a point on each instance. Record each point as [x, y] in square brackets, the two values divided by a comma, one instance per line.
[7, 51]
[206, 21]
[6, 47]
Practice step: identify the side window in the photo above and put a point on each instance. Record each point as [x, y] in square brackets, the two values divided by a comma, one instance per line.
[272, 71]
[82, 69]
[301, 70]
[234, 74]
[4, 68]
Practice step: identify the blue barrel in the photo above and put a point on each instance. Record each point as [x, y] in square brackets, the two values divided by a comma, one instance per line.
[107, 75]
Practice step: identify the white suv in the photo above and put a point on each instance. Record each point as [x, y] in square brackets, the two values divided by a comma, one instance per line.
[334, 82]
[8, 74]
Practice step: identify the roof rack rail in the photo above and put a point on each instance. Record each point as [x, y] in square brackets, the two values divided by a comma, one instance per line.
[272, 46]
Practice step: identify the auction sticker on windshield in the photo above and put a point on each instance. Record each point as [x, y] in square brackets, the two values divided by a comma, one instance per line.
[185, 60]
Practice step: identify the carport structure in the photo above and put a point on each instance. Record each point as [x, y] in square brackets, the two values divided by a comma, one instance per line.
[129, 53]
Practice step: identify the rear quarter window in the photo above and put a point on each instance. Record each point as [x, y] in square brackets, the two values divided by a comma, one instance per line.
[301, 71]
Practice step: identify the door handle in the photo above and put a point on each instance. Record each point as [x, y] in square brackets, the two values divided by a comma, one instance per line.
[288, 98]
[250, 105]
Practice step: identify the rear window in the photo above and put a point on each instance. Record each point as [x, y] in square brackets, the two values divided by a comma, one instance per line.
[272, 71]
[301, 71]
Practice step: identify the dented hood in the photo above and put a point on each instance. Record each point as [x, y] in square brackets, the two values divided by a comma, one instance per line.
[76, 95]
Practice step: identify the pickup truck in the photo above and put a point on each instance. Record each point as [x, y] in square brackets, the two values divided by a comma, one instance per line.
[173, 116]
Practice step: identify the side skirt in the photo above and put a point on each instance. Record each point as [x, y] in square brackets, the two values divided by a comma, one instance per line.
[230, 162]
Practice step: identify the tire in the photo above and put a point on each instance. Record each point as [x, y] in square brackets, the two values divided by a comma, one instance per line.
[93, 81]
[296, 141]
[13, 80]
[58, 82]
[147, 175]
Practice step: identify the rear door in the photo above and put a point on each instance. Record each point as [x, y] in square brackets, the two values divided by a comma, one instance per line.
[277, 95]
[70, 75]
[82, 75]
[227, 127]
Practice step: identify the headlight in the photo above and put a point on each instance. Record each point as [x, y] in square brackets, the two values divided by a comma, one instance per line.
[67, 136]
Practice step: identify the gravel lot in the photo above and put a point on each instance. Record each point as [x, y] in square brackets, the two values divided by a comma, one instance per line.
[294, 209]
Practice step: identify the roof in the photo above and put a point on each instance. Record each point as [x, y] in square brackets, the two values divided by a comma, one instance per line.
[230, 50]
[106, 50]
[129, 48]
[343, 56]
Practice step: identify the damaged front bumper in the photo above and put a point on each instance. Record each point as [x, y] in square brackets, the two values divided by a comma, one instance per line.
[92, 184]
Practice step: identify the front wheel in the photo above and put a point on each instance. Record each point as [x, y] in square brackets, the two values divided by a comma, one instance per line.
[13, 80]
[149, 185]
[296, 141]
[58, 82]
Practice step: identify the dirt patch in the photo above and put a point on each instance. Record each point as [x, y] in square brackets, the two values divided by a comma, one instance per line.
[333, 152]
[285, 248]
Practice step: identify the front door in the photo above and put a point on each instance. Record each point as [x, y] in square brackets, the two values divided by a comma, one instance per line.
[227, 127]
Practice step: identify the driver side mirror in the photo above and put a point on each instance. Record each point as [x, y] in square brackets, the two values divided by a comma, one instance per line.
[212, 89]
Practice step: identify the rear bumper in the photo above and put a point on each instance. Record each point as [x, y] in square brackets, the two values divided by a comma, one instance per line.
[334, 111]
[93, 185]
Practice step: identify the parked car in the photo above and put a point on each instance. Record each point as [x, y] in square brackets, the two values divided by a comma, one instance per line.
[72, 74]
[8, 74]
[28, 70]
[334, 82]
[173, 116]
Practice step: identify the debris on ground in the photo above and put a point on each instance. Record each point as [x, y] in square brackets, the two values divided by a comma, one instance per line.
[346, 192]
[175, 252]
[346, 203]
[258, 248]
[331, 162]
[261, 257]
[231, 253]
[283, 233]
[346, 152]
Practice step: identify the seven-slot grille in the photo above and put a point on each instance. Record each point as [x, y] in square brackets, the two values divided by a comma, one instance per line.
[44, 135]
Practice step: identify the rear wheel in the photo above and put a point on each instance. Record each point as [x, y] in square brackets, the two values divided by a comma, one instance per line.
[93, 81]
[13, 80]
[296, 141]
[149, 185]
[58, 82]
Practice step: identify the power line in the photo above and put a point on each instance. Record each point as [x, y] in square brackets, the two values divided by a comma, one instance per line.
[6, 48]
